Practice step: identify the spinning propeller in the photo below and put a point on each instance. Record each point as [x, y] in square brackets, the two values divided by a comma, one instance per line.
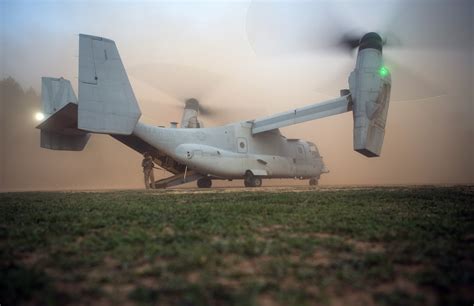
[322, 29]
[204, 111]
[181, 83]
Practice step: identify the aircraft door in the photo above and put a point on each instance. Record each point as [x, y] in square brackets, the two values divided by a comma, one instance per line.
[242, 145]
[299, 161]
[300, 154]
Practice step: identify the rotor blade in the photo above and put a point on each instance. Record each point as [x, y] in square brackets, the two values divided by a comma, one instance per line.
[206, 111]
[408, 83]
[282, 28]
[178, 81]
[291, 28]
[349, 42]
[407, 24]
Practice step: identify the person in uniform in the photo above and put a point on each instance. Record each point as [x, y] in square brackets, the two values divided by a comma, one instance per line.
[148, 165]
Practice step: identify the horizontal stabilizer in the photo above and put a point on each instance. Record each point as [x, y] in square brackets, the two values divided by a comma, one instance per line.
[58, 141]
[59, 131]
[299, 115]
[107, 103]
[62, 121]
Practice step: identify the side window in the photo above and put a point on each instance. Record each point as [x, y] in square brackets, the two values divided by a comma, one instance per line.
[242, 145]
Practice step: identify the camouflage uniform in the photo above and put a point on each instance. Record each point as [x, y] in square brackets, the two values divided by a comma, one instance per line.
[147, 165]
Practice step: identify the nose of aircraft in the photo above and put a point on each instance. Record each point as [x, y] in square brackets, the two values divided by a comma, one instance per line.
[324, 169]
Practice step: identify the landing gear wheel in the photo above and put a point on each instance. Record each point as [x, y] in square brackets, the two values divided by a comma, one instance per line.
[313, 182]
[252, 181]
[257, 182]
[204, 182]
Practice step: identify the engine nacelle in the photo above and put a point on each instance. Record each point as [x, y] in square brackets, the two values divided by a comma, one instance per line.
[370, 85]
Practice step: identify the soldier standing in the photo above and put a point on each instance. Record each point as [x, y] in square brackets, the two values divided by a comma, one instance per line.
[148, 165]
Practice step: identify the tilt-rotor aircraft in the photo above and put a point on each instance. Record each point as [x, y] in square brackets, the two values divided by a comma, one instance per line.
[251, 150]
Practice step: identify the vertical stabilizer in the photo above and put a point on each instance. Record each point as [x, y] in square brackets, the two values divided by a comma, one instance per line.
[59, 128]
[55, 93]
[107, 103]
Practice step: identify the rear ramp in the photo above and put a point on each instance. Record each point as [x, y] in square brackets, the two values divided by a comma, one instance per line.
[178, 179]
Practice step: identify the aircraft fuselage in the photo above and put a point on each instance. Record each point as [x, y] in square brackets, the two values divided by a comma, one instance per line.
[230, 151]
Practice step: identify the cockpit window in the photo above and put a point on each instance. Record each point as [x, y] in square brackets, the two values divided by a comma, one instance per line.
[313, 149]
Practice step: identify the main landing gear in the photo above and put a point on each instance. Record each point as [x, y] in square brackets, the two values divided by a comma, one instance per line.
[313, 181]
[204, 182]
[252, 181]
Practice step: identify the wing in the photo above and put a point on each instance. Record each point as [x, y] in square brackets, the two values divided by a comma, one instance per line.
[303, 114]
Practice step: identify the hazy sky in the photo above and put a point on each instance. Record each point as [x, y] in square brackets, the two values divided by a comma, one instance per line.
[248, 59]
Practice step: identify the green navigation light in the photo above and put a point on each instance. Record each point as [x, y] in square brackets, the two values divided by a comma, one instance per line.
[383, 71]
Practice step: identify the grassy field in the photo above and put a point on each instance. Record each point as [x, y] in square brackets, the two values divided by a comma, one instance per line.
[383, 246]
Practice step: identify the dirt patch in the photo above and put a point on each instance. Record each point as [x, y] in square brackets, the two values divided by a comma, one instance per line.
[143, 268]
[320, 258]
[168, 231]
[272, 228]
[31, 259]
[402, 284]
[118, 291]
[399, 283]
[358, 245]
[247, 266]
[271, 189]
[193, 277]
[228, 282]
[266, 300]
[111, 263]
[353, 298]
[366, 247]
[408, 269]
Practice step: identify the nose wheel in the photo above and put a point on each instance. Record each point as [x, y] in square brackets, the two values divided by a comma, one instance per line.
[313, 182]
[204, 182]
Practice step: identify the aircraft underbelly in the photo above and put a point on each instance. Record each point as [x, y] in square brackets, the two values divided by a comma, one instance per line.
[236, 166]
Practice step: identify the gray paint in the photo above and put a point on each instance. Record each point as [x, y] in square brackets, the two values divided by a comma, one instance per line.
[299, 115]
[107, 105]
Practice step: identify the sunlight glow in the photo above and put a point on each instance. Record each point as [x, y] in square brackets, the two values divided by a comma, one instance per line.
[39, 116]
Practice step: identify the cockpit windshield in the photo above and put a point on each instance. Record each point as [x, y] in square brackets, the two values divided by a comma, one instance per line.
[313, 149]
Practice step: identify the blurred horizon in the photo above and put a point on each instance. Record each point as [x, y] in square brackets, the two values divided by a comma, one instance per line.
[239, 59]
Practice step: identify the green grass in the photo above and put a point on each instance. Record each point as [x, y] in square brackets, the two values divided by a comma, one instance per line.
[388, 246]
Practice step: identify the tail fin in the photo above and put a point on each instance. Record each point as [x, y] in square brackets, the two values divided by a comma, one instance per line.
[107, 103]
[59, 130]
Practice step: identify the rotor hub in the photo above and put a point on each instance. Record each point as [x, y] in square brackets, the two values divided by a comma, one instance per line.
[371, 40]
[192, 104]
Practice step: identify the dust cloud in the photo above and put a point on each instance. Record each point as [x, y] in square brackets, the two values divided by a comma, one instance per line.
[212, 51]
